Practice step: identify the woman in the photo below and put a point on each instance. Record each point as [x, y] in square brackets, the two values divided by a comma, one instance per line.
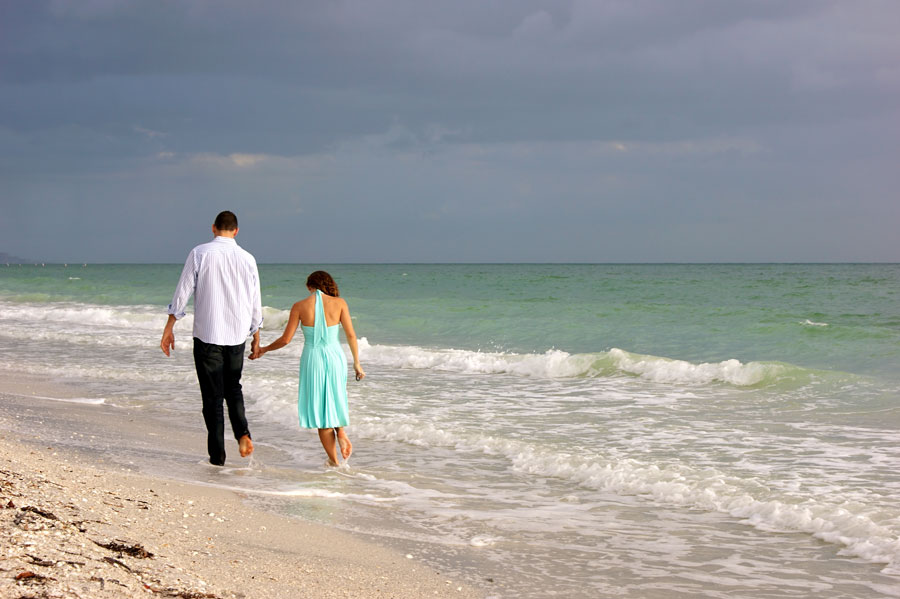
[323, 365]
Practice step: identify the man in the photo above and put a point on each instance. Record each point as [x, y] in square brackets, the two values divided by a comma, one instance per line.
[224, 280]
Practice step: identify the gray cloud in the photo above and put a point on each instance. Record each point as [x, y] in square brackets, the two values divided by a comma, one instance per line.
[583, 130]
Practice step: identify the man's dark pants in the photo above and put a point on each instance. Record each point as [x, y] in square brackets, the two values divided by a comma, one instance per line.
[219, 373]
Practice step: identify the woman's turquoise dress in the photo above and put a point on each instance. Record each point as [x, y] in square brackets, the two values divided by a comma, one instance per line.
[323, 375]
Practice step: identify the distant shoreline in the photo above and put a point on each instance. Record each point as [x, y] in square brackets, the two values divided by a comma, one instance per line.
[10, 259]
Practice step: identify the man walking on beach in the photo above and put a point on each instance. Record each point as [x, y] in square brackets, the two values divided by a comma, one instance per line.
[224, 281]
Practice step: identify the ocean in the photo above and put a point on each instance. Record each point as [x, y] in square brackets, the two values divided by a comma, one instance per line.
[577, 430]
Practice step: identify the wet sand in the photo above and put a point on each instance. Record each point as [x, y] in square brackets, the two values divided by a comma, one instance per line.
[76, 525]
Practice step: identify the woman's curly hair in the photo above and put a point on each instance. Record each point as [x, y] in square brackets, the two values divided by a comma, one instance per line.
[322, 281]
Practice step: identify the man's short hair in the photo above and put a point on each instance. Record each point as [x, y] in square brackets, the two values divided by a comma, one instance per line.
[226, 221]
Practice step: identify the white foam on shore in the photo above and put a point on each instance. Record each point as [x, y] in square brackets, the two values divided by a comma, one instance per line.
[300, 492]
[482, 541]
[100, 372]
[867, 531]
[96, 401]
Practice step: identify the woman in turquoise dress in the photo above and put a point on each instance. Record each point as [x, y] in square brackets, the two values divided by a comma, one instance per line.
[322, 402]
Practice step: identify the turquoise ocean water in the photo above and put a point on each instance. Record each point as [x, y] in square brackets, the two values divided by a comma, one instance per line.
[565, 430]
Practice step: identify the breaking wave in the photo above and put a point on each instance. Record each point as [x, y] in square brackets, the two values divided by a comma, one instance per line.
[615, 362]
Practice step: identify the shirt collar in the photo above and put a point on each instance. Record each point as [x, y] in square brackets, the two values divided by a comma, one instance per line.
[223, 239]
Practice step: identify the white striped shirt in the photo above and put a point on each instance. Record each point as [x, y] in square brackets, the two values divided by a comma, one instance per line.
[224, 280]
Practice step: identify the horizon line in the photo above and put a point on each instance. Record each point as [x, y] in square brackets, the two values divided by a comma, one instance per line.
[475, 263]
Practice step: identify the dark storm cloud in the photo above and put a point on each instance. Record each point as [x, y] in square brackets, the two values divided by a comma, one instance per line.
[506, 70]
[608, 130]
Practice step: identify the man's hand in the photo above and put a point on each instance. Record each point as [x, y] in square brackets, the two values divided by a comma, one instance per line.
[168, 341]
[255, 351]
[168, 337]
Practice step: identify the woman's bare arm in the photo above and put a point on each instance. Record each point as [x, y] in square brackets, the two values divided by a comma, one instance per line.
[288, 334]
[347, 325]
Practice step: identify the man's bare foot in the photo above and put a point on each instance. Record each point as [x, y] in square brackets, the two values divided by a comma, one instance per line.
[246, 446]
[346, 445]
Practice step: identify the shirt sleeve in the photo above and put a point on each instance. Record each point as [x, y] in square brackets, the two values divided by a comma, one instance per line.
[256, 298]
[186, 285]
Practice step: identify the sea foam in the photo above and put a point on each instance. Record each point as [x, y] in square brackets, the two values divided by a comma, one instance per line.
[557, 363]
[96, 401]
[868, 532]
[141, 317]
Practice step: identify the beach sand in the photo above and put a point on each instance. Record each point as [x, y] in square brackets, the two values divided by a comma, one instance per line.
[75, 525]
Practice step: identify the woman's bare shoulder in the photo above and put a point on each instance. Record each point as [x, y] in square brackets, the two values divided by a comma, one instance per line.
[330, 299]
[302, 305]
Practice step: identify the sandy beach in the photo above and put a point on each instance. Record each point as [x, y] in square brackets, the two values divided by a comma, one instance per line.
[75, 525]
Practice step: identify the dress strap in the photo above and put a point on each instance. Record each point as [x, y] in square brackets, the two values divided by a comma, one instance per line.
[320, 325]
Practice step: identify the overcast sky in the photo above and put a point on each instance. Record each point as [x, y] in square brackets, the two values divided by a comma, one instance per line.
[453, 130]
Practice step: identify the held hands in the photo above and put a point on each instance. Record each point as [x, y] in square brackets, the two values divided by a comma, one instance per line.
[255, 350]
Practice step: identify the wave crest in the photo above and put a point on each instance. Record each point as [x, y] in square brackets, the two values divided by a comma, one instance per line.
[665, 370]
[559, 364]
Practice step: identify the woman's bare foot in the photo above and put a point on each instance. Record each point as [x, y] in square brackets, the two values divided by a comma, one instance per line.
[245, 445]
[346, 445]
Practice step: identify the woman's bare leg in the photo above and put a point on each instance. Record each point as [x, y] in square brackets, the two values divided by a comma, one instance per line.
[326, 436]
[346, 445]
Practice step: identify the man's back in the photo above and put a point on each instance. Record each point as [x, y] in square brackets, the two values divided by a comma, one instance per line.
[224, 280]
